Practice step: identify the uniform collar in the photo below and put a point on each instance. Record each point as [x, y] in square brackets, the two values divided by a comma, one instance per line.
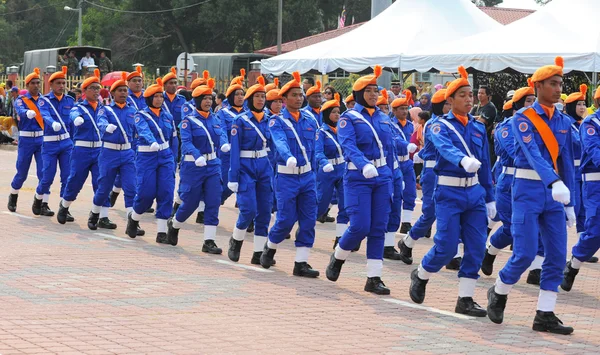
[540, 110]
[362, 109]
[451, 116]
[131, 93]
[52, 96]
[114, 104]
[286, 114]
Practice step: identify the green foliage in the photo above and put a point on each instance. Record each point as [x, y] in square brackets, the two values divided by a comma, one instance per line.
[488, 3]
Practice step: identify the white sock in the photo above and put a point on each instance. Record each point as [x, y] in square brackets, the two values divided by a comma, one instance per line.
[492, 224]
[537, 263]
[136, 217]
[390, 239]
[374, 267]
[259, 243]
[501, 288]
[129, 209]
[271, 245]
[177, 199]
[96, 209]
[201, 206]
[340, 253]
[547, 301]
[103, 212]
[161, 225]
[459, 252]
[466, 287]
[576, 263]
[492, 250]
[46, 198]
[177, 224]
[406, 216]
[302, 254]
[38, 197]
[116, 190]
[65, 203]
[14, 192]
[340, 229]
[210, 232]
[422, 273]
[239, 234]
[409, 242]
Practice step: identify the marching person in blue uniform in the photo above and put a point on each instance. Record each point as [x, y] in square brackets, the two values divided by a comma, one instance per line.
[87, 138]
[154, 163]
[173, 104]
[349, 101]
[589, 239]
[330, 173]
[422, 227]
[293, 134]
[274, 106]
[383, 102]
[543, 199]
[314, 99]
[31, 132]
[463, 197]
[366, 137]
[200, 176]
[57, 147]
[251, 172]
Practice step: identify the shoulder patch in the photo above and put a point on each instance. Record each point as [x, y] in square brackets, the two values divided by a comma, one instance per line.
[436, 129]
[184, 125]
[20, 102]
[41, 103]
[101, 111]
[186, 109]
[343, 123]
[233, 131]
[523, 126]
[272, 123]
[591, 131]
[504, 133]
[317, 136]
[137, 119]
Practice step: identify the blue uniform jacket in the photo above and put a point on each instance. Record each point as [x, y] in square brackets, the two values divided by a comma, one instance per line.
[317, 116]
[194, 140]
[137, 103]
[325, 147]
[590, 144]
[428, 151]
[400, 139]
[450, 150]
[226, 115]
[26, 124]
[504, 143]
[575, 137]
[89, 130]
[63, 108]
[245, 137]
[175, 107]
[285, 142]
[147, 130]
[126, 118]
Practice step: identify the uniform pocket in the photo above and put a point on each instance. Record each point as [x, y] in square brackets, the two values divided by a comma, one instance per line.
[517, 218]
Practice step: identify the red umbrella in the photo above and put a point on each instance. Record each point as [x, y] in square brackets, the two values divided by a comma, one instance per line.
[110, 78]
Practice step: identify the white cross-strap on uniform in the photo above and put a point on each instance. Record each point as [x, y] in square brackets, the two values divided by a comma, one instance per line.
[91, 119]
[306, 167]
[160, 133]
[337, 145]
[109, 109]
[169, 112]
[133, 102]
[460, 137]
[62, 123]
[262, 136]
[212, 155]
[377, 162]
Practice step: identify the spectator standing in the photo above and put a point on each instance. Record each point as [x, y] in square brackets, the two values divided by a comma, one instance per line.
[104, 64]
[85, 62]
[486, 112]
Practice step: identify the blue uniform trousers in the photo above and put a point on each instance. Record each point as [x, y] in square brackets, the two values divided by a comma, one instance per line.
[197, 183]
[329, 185]
[28, 148]
[394, 221]
[409, 194]
[225, 162]
[589, 240]
[579, 206]
[254, 195]
[155, 180]
[113, 163]
[84, 161]
[53, 154]
[425, 221]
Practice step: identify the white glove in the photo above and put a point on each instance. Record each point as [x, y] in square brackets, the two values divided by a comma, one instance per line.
[417, 159]
[30, 114]
[202, 162]
[226, 148]
[471, 165]
[233, 186]
[291, 162]
[411, 147]
[571, 219]
[110, 128]
[56, 126]
[328, 168]
[370, 171]
[560, 193]
[491, 209]
[78, 121]
[154, 147]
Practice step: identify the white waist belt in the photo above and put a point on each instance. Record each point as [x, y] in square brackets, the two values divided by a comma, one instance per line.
[377, 163]
[577, 162]
[508, 170]
[527, 174]
[430, 163]
[403, 158]
[396, 165]
[336, 161]
[148, 149]
[253, 154]
[591, 177]
[282, 169]
[174, 133]
[58, 138]
[32, 134]
[457, 182]
[115, 146]
[189, 157]
[88, 144]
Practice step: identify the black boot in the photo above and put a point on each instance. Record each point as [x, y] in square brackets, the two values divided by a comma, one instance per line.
[150, 210]
[175, 208]
[487, 266]
[303, 269]
[549, 322]
[428, 233]
[334, 268]
[162, 238]
[357, 248]
[250, 228]
[417, 287]
[36, 208]
[93, 221]
[106, 223]
[62, 214]
[405, 227]
[335, 242]
[592, 260]
[12, 202]
[323, 218]
[46, 211]
[200, 217]
[405, 253]
[454, 264]
[289, 236]
[211, 247]
[235, 246]
[376, 286]
[328, 218]
[533, 278]
[113, 198]
[391, 253]
[69, 217]
[140, 232]
[496, 305]
[132, 227]
[266, 258]
[568, 277]
[466, 305]
[256, 259]
[172, 233]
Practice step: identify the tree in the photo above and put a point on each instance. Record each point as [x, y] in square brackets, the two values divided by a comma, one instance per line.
[542, 2]
[487, 3]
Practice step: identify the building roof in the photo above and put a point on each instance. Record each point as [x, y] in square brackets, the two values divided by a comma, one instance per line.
[502, 15]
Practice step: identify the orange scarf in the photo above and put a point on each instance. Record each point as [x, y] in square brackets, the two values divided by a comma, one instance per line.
[138, 94]
[93, 104]
[237, 109]
[402, 122]
[371, 111]
[273, 112]
[462, 119]
[317, 110]
[121, 105]
[35, 97]
[296, 115]
[259, 115]
[549, 111]
[334, 129]
[156, 111]
[59, 97]
[203, 113]
[171, 96]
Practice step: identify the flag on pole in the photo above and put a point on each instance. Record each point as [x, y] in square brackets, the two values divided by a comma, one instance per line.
[342, 18]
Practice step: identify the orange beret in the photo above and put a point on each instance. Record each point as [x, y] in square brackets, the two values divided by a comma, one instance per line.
[155, 88]
[237, 85]
[241, 77]
[577, 96]
[597, 93]
[59, 74]
[524, 92]
[200, 81]
[34, 75]
[314, 89]
[137, 72]
[118, 83]
[439, 96]
[92, 79]
[332, 103]
[170, 75]
[204, 89]
[273, 85]
[508, 105]
[363, 81]
[294, 83]
[403, 101]
[383, 98]
[260, 87]
[458, 83]
[349, 98]
[549, 71]
[273, 95]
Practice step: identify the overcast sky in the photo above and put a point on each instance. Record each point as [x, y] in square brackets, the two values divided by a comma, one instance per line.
[520, 4]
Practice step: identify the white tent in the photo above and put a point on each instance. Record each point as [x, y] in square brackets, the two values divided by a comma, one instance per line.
[562, 28]
[404, 26]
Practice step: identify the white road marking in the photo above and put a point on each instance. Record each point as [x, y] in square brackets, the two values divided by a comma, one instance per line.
[17, 214]
[104, 235]
[230, 263]
[428, 309]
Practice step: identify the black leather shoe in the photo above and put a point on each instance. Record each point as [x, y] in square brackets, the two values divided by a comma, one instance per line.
[592, 260]
[329, 219]
[405, 253]
[235, 246]
[487, 266]
[112, 196]
[162, 238]
[46, 211]
[267, 256]
[405, 227]
[69, 217]
[62, 214]
[132, 227]
[93, 221]
[256, 258]
[568, 277]
[466, 305]
[211, 247]
[334, 268]
[289, 236]
[106, 223]
[357, 248]
[250, 228]
[549, 322]
[391, 253]
[150, 210]
[140, 232]
[428, 233]
[172, 233]
[454, 264]
[12, 202]
[36, 208]
[303, 269]
[376, 286]
[336, 242]
[200, 217]
[496, 305]
[533, 278]
[417, 287]
[323, 218]
[175, 208]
